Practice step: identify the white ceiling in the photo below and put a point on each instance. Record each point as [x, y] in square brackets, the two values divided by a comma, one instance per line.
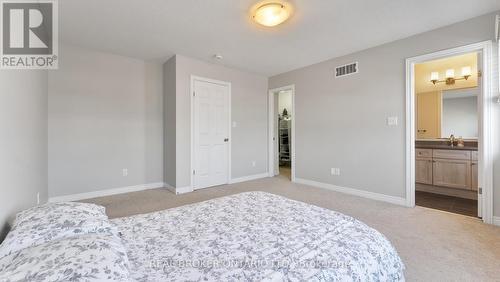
[318, 30]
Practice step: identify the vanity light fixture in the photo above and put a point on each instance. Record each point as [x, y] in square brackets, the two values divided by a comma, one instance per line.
[450, 78]
[272, 14]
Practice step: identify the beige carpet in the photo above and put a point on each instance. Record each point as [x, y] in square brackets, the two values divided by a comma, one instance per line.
[434, 245]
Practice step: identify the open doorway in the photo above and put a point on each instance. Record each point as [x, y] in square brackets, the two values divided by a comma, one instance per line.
[282, 132]
[447, 130]
[449, 127]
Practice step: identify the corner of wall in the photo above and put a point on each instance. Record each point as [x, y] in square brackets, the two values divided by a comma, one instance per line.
[169, 120]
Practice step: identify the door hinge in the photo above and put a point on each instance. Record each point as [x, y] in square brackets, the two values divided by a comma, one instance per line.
[194, 172]
[480, 191]
[194, 94]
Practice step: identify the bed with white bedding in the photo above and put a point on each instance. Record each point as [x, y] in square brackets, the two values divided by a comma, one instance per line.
[251, 236]
[255, 236]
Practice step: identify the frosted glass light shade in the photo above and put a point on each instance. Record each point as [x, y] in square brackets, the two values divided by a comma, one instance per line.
[434, 75]
[466, 71]
[272, 14]
[450, 73]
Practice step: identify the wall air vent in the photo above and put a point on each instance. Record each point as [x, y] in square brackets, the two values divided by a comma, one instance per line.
[346, 70]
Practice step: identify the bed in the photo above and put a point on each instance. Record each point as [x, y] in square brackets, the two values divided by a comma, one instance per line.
[252, 236]
[255, 236]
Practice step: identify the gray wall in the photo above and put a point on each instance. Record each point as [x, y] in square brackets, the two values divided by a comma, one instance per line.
[342, 122]
[23, 146]
[460, 117]
[248, 109]
[105, 114]
[169, 122]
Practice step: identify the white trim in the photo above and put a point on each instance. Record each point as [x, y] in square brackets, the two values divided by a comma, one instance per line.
[249, 178]
[485, 134]
[497, 28]
[271, 114]
[183, 190]
[496, 220]
[229, 144]
[178, 191]
[107, 192]
[356, 192]
[170, 188]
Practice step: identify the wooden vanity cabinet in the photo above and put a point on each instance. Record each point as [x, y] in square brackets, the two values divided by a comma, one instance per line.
[446, 168]
[452, 173]
[423, 171]
[423, 166]
[475, 170]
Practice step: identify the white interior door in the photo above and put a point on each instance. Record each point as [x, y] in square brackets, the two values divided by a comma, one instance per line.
[211, 134]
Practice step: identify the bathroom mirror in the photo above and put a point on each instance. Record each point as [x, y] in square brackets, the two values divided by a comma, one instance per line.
[443, 113]
[460, 116]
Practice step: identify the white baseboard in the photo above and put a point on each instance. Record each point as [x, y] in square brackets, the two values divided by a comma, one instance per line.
[496, 220]
[188, 189]
[351, 191]
[178, 190]
[170, 187]
[249, 178]
[183, 190]
[107, 192]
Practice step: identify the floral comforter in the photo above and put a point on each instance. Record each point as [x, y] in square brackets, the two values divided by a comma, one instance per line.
[256, 236]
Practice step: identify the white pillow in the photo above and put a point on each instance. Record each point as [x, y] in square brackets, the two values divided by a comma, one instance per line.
[54, 221]
[55, 209]
[91, 257]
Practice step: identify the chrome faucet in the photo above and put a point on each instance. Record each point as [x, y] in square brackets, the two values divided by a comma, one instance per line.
[452, 140]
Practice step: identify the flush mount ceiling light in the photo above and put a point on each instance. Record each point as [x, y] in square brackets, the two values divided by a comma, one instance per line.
[272, 14]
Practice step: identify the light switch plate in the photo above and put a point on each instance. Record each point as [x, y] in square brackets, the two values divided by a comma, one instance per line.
[335, 171]
[234, 124]
[392, 121]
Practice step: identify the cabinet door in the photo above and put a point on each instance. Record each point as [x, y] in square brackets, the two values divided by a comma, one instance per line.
[474, 172]
[429, 107]
[423, 171]
[452, 173]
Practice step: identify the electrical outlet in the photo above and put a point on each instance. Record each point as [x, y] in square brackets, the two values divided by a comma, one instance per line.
[38, 198]
[254, 163]
[125, 172]
[335, 171]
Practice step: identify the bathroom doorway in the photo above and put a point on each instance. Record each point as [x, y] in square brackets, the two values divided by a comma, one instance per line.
[447, 128]
[448, 131]
[282, 132]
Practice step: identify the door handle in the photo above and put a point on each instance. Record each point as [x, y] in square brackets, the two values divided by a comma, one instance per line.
[226, 139]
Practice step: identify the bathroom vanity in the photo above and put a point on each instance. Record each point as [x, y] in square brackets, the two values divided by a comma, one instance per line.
[442, 165]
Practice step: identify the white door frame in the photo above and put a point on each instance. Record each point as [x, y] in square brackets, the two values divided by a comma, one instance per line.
[271, 115]
[191, 93]
[485, 123]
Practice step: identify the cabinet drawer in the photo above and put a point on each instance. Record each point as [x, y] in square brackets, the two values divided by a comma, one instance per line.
[451, 154]
[474, 155]
[423, 153]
